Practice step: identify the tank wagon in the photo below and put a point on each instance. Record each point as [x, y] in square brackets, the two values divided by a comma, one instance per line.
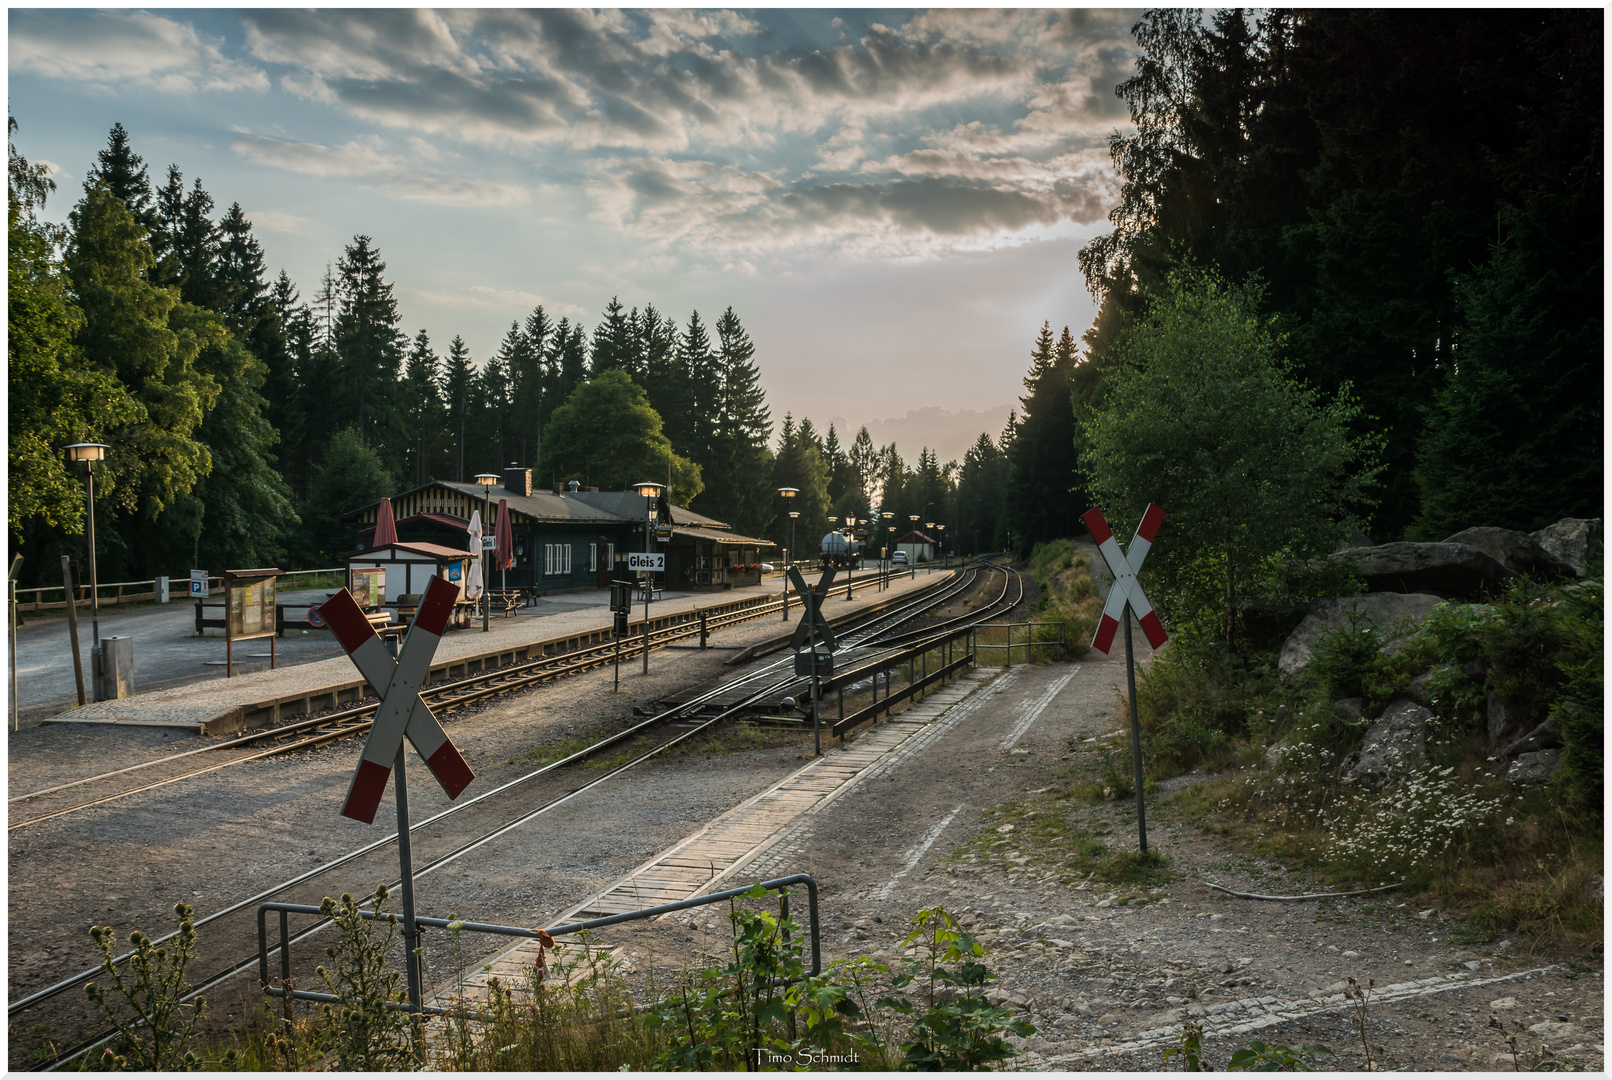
[840, 550]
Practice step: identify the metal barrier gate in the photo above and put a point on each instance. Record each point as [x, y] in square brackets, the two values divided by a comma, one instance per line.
[287, 992]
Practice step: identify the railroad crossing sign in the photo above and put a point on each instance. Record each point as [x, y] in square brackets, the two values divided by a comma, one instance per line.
[811, 619]
[402, 712]
[1127, 596]
[1125, 565]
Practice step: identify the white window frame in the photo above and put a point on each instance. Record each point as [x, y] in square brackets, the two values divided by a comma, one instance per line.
[593, 558]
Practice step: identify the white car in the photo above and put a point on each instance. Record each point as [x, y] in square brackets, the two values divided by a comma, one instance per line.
[899, 559]
[766, 568]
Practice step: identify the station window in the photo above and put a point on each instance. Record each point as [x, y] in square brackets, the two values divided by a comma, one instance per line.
[593, 556]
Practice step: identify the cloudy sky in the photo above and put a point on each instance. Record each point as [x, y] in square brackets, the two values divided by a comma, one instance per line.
[891, 200]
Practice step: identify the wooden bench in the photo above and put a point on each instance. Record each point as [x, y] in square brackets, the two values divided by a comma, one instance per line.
[507, 600]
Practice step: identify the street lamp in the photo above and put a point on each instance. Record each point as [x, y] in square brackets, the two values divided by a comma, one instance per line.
[650, 491]
[486, 480]
[886, 515]
[789, 493]
[89, 453]
[793, 514]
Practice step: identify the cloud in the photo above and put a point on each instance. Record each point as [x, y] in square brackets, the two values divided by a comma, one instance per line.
[135, 47]
[368, 162]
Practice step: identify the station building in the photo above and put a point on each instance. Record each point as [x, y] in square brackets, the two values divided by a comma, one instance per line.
[567, 538]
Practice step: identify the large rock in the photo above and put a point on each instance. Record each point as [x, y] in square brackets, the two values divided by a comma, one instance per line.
[1575, 541]
[1449, 570]
[1535, 768]
[1547, 736]
[1516, 551]
[1395, 746]
[1379, 610]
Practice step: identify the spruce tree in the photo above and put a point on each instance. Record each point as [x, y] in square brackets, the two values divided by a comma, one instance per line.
[1040, 505]
[458, 382]
[612, 345]
[425, 415]
[368, 343]
[739, 489]
[531, 385]
[122, 174]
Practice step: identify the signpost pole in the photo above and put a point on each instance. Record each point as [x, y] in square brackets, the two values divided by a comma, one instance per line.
[817, 729]
[411, 932]
[72, 625]
[1136, 732]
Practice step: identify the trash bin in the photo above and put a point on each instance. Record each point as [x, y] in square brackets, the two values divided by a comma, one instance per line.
[116, 668]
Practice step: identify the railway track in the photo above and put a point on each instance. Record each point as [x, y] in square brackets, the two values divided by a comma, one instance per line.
[484, 818]
[331, 726]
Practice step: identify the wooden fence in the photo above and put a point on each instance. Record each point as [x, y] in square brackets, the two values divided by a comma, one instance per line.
[116, 593]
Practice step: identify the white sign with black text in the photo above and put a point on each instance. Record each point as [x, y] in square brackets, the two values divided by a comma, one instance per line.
[642, 561]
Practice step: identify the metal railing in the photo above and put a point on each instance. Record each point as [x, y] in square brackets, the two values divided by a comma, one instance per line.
[288, 992]
[146, 591]
[1027, 644]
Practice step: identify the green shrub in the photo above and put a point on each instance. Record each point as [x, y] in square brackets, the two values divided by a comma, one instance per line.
[155, 1025]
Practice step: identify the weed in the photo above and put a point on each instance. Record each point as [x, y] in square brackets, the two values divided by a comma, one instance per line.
[958, 1028]
[1191, 1049]
[154, 1023]
[1257, 1057]
[1359, 1015]
[366, 1026]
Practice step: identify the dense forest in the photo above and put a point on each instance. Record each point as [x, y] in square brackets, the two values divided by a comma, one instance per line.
[1410, 200]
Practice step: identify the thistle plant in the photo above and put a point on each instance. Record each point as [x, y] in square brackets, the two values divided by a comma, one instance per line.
[146, 1001]
[367, 1028]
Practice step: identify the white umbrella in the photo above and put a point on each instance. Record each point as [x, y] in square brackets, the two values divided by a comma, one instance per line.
[473, 579]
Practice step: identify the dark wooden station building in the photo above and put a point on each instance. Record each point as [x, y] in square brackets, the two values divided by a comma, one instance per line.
[568, 538]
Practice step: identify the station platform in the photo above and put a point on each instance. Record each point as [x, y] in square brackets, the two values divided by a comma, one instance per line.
[210, 704]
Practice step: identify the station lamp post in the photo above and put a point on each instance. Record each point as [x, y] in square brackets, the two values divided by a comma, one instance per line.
[789, 493]
[793, 514]
[486, 480]
[650, 491]
[89, 453]
[889, 541]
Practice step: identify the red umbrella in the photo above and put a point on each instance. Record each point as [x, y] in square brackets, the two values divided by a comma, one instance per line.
[503, 538]
[385, 528]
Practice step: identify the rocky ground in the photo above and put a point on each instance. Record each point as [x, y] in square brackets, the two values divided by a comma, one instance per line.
[983, 823]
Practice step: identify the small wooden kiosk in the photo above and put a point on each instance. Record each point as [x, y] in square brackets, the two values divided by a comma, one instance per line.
[249, 611]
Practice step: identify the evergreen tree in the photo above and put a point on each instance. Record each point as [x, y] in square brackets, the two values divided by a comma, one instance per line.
[799, 464]
[291, 387]
[740, 491]
[240, 513]
[349, 477]
[122, 174]
[981, 521]
[493, 397]
[612, 345]
[126, 332]
[865, 462]
[425, 414]
[458, 384]
[529, 381]
[170, 223]
[666, 379]
[368, 343]
[196, 250]
[1040, 504]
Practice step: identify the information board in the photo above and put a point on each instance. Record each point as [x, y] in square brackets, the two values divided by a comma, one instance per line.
[198, 583]
[368, 585]
[251, 609]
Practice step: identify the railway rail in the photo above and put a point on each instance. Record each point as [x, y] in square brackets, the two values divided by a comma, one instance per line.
[333, 725]
[484, 817]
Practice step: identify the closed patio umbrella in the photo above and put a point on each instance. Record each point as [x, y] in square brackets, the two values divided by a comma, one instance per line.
[385, 527]
[473, 583]
[504, 539]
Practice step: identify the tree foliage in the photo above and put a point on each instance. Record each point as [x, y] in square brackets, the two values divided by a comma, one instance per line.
[608, 436]
[1204, 417]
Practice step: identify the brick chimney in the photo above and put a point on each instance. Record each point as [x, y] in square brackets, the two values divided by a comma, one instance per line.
[518, 481]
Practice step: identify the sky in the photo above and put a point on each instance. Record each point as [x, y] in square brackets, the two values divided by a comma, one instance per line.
[891, 200]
